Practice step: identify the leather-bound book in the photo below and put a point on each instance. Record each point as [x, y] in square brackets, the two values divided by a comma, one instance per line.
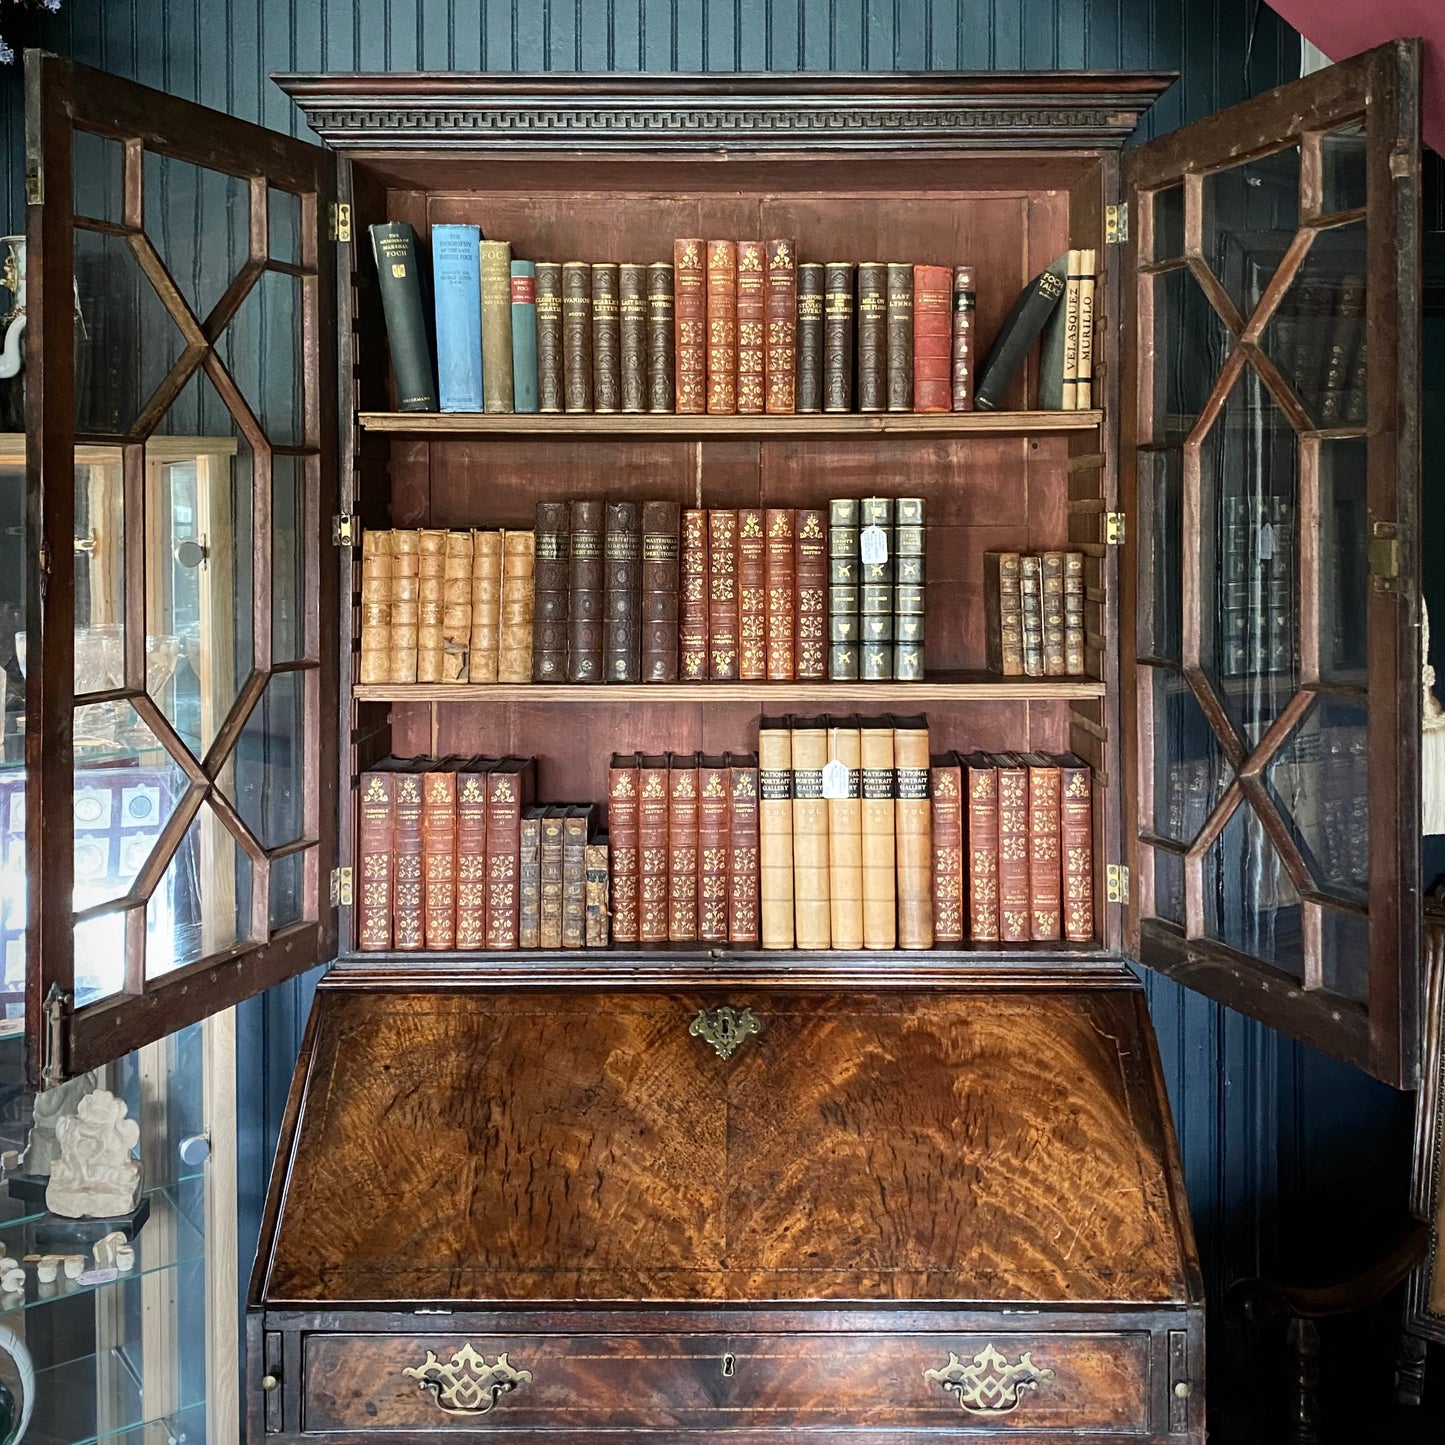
[775, 830]
[606, 339]
[1076, 809]
[743, 849]
[844, 569]
[682, 822]
[1002, 613]
[693, 608]
[914, 831]
[550, 929]
[932, 338]
[1015, 924]
[963, 338]
[408, 902]
[510, 786]
[838, 337]
[1045, 880]
[551, 395]
[780, 580]
[457, 608]
[1015, 339]
[872, 336]
[661, 345]
[405, 596]
[551, 589]
[497, 326]
[900, 336]
[722, 327]
[472, 853]
[622, 600]
[781, 363]
[598, 905]
[660, 581]
[486, 592]
[880, 894]
[722, 617]
[980, 779]
[376, 562]
[584, 599]
[811, 288]
[843, 790]
[690, 325]
[1074, 614]
[1031, 611]
[752, 326]
[577, 335]
[578, 822]
[714, 794]
[653, 806]
[876, 597]
[622, 832]
[524, 336]
[946, 790]
[812, 905]
[404, 304]
[811, 567]
[431, 570]
[908, 589]
[752, 597]
[632, 334]
[373, 858]
[519, 563]
[1051, 587]
[1084, 391]
[529, 878]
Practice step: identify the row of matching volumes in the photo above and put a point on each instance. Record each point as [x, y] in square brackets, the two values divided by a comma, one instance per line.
[1034, 613]
[1066, 363]
[1258, 622]
[875, 589]
[683, 829]
[439, 606]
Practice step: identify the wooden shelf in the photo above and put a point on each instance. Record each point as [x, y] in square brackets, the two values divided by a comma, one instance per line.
[973, 423]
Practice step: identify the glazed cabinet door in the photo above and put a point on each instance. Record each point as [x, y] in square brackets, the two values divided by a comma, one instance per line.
[1270, 636]
[180, 668]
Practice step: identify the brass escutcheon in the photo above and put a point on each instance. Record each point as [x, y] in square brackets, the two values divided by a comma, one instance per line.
[724, 1028]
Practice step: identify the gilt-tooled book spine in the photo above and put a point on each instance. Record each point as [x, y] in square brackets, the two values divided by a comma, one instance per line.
[880, 895]
[1031, 612]
[914, 832]
[551, 393]
[722, 622]
[660, 582]
[812, 906]
[457, 284]
[472, 855]
[775, 829]
[743, 849]
[457, 608]
[550, 930]
[599, 907]
[875, 589]
[690, 318]
[486, 638]
[632, 335]
[1074, 614]
[752, 327]
[551, 580]
[843, 789]
[622, 832]
[694, 606]
[405, 598]
[510, 786]
[900, 336]
[524, 336]
[576, 833]
[946, 791]
[407, 915]
[584, 601]
[606, 339]
[376, 569]
[908, 589]
[529, 878]
[872, 336]
[431, 572]
[1003, 614]
[1076, 789]
[932, 339]
[713, 847]
[653, 807]
[373, 859]
[661, 356]
[780, 579]
[980, 778]
[811, 570]
[497, 325]
[963, 339]
[439, 855]
[781, 363]
[838, 337]
[1015, 924]
[1045, 880]
[722, 327]
[682, 822]
[1051, 570]
[577, 336]
[752, 596]
[519, 566]
[404, 304]
[844, 569]
[811, 286]
[622, 636]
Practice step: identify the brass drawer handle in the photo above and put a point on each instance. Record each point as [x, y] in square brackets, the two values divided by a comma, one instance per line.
[724, 1028]
[467, 1384]
[989, 1385]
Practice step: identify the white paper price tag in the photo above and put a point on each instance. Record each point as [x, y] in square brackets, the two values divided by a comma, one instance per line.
[835, 779]
[1266, 542]
[873, 544]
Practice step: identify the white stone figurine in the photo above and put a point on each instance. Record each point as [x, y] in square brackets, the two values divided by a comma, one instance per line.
[95, 1176]
[42, 1150]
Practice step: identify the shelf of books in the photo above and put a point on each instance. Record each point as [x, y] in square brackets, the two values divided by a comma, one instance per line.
[977, 687]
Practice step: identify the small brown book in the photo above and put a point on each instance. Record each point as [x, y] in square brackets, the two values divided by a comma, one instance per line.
[599, 908]
[632, 335]
[622, 826]
[782, 355]
[584, 598]
[472, 853]
[1015, 923]
[811, 285]
[714, 788]
[551, 397]
[946, 785]
[553, 818]
[722, 615]
[914, 831]
[775, 829]
[752, 326]
[872, 336]
[661, 354]
[900, 336]
[722, 327]
[376, 564]
[1002, 614]
[752, 597]
[510, 786]
[577, 335]
[743, 849]
[407, 912]
[980, 777]
[622, 601]
[843, 790]
[689, 267]
[963, 339]
[1076, 788]
[682, 825]
[653, 805]
[812, 905]
[880, 895]
[1045, 882]
[693, 608]
[514, 655]
[606, 339]
[577, 825]
[486, 638]
[811, 567]
[660, 581]
[529, 878]
[551, 582]
[405, 594]
[373, 857]
[780, 580]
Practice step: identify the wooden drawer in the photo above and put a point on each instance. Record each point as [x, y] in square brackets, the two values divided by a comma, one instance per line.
[1072, 1381]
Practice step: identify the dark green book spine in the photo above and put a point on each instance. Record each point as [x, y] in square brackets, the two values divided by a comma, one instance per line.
[393, 243]
[524, 336]
[1016, 337]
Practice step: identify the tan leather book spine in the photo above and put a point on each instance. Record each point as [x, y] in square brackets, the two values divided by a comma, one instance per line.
[722, 328]
[914, 831]
[373, 859]
[743, 849]
[1084, 392]
[752, 326]
[577, 826]
[1031, 613]
[472, 855]
[752, 597]
[529, 878]
[693, 608]
[431, 571]
[690, 325]
[880, 895]
[510, 786]
[550, 915]
[722, 617]
[376, 564]
[811, 566]
[1071, 331]
[812, 906]
[1015, 923]
[1076, 827]
[486, 637]
[682, 821]
[1045, 881]
[457, 608]
[653, 807]
[1052, 593]
[599, 907]
[780, 579]
[514, 657]
[946, 787]
[405, 596]
[843, 789]
[622, 825]
[980, 779]
[1002, 614]
[775, 831]
[496, 289]
[714, 789]
[407, 914]
[782, 310]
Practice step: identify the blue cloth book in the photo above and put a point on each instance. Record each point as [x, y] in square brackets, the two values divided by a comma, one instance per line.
[524, 336]
[457, 285]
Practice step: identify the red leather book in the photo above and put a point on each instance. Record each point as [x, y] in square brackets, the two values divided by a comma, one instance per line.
[980, 778]
[811, 565]
[439, 854]
[472, 853]
[1045, 885]
[622, 822]
[752, 326]
[722, 327]
[690, 326]
[714, 789]
[946, 788]
[373, 859]
[722, 615]
[743, 849]
[1076, 807]
[407, 916]
[780, 577]
[660, 577]
[963, 338]
[578, 822]
[693, 619]
[1015, 922]
[510, 786]
[752, 597]
[932, 338]
[653, 805]
[780, 368]
[682, 820]
[550, 914]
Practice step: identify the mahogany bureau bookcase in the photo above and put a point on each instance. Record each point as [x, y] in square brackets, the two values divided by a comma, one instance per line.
[938, 1192]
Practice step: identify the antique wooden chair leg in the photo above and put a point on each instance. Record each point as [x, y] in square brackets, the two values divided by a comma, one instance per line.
[1410, 1369]
[1303, 1337]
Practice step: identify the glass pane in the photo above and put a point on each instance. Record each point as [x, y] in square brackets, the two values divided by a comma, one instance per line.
[288, 559]
[1190, 770]
[99, 168]
[1344, 557]
[1317, 335]
[197, 909]
[1320, 778]
[1161, 613]
[1250, 508]
[1249, 902]
[262, 349]
[268, 784]
[1168, 886]
[99, 574]
[100, 956]
[1250, 214]
[1342, 166]
[284, 216]
[199, 220]
[1168, 223]
[1345, 954]
[1190, 345]
[288, 896]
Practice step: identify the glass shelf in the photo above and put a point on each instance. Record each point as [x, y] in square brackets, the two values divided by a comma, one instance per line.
[66, 1405]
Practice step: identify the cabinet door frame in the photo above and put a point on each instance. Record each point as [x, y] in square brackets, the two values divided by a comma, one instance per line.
[1380, 87]
[61, 97]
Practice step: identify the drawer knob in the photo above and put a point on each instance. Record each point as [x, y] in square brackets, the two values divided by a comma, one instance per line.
[269, 1383]
[466, 1384]
[989, 1385]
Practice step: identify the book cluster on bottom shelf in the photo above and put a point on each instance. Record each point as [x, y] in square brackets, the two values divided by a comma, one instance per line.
[452, 853]
[1034, 613]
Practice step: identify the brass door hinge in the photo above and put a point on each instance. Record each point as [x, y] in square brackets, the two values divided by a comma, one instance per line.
[1116, 224]
[1385, 556]
[344, 530]
[341, 221]
[1114, 529]
[34, 185]
[341, 887]
[52, 1059]
[1116, 881]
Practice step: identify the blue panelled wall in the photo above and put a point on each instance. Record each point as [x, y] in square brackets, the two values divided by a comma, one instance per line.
[1296, 1166]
